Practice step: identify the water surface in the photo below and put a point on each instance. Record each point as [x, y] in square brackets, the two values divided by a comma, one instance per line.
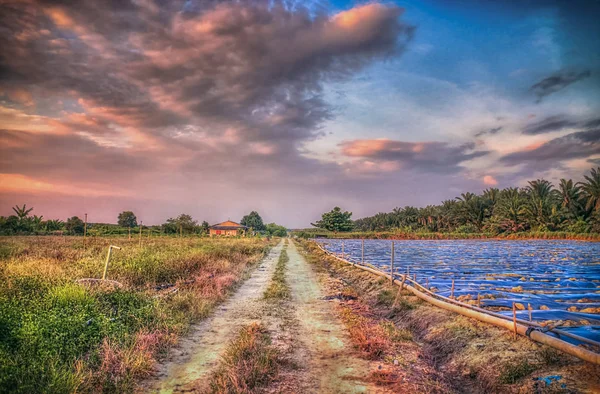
[560, 279]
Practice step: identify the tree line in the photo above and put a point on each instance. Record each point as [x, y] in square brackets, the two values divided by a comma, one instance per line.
[540, 206]
[24, 223]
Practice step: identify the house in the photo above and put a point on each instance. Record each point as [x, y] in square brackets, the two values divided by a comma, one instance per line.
[227, 229]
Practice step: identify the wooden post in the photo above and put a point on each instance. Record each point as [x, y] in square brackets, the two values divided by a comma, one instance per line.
[362, 251]
[84, 229]
[427, 283]
[403, 280]
[141, 233]
[342, 249]
[392, 263]
[529, 309]
[452, 290]
[515, 320]
[129, 232]
[110, 248]
[478, 301]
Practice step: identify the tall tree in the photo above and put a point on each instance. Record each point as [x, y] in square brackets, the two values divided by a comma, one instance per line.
[127, 219]
[590, 189]
[204, 227]
[511, 210]
[541, 203]
[184, 223]
[254, 221]
[74, 225]
[570, 198]
[336, 220]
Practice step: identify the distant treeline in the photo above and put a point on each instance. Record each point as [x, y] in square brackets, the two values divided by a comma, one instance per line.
[23, 223]
[570, 208]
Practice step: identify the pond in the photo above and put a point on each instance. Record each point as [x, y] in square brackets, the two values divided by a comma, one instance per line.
[559, 279]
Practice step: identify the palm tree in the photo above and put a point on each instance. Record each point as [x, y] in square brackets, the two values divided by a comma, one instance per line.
[590, 189]
[36, 222]
[491, 194]
[22, 212]
[511, 210]
[542, 202]
[570, 196]
[464, 197]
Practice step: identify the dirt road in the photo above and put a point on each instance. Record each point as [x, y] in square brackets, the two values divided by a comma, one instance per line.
[306, 325]
[196, 355]
[325, 349]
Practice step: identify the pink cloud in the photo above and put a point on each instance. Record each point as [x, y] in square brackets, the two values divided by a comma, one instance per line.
[490, 180]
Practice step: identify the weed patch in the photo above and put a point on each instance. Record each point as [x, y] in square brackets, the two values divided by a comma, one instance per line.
[279, 289]
[249, 362]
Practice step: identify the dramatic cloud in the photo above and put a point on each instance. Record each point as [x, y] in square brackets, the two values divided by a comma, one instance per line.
[216, 108]
[134, 92]
[557, 82]
[427, 156]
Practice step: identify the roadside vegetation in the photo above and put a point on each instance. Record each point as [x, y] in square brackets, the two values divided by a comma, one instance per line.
[24, 222]
[279, 289]
[249, 362]
[58, 335]
[570, 210]
[417, 347]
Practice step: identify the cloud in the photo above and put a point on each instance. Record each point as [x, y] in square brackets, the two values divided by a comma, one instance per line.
[202, 100]
[548, 125]
[490, 180]
[557, 82]
[492, 131]
[581, 144]
[438, 157]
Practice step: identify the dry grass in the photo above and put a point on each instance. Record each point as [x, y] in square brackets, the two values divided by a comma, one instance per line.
[249, 362]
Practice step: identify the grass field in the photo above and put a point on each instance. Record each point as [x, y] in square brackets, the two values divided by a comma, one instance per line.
[57, 335]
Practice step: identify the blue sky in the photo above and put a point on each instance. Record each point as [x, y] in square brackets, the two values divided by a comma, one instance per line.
[238, 106]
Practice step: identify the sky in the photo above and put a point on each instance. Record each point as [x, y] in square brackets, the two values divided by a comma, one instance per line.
[217, 108]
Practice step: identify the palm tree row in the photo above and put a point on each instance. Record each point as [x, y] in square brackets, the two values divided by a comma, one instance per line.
[572, 207]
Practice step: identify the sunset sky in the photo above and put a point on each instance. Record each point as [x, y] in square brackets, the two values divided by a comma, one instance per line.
[216, 108]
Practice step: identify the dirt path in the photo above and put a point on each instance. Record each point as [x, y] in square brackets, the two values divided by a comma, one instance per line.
[198, 353]
[324, 351]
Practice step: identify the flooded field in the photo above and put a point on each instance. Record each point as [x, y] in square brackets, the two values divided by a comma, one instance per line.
[559, 279]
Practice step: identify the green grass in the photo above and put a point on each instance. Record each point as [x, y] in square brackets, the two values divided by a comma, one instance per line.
[279, 289]
[57, 336]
